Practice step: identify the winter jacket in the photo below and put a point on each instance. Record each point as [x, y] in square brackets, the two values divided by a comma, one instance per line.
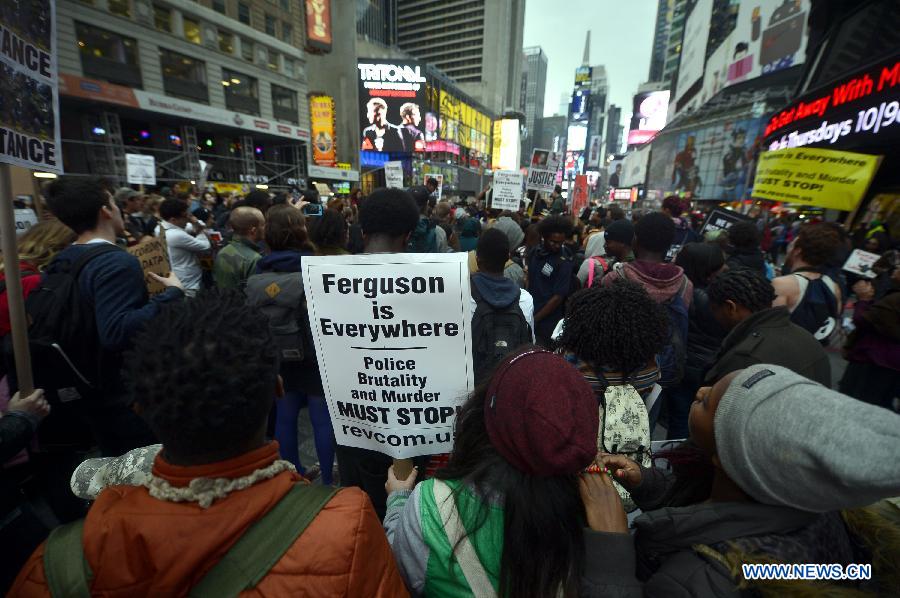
[743, 259]
[416, 533]
[31, 278]
[877, 335]
[137, 545]
[705, 335]
[235, 263]
[769, 336]
[662, 281]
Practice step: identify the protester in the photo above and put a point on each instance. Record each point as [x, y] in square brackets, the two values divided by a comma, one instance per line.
[276, 289]
[675, 207]
[557, 202]
[813, 298]
[550, 274]
[184, 244]
[427, 237]
[520, 443]
[617, 240]
[745, 252]
[741, 303]
[131, 203]
[331, 234]
[237, 260]
[469, 230]
[773, 458]
[208, 404]
[701, 262]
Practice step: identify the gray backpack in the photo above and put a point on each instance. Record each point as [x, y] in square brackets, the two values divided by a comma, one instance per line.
[280, 296]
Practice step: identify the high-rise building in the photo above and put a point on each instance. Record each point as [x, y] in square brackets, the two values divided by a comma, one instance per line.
[667, 40]
[614, 130]
[531, 103]
[477, 43]
[673, 46]
[376, 21]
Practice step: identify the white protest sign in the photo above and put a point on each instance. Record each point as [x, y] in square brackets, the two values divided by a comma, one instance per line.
[860, 262]
[440, 184]
[542, 170]
[392, 334]
[507, 190]
[25, 219]
[393, 175]
[141, 169]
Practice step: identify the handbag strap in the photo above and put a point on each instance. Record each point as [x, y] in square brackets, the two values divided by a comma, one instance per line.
[67, 571]
[465, 554]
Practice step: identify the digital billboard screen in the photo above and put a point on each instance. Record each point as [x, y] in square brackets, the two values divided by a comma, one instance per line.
[392, 106]
[648, 116]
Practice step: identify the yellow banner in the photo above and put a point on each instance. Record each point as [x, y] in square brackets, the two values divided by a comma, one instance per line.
[816, 177]
[321, 119]
[228, 187]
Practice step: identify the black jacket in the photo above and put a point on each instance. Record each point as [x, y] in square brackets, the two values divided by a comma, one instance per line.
[752, 260]
[769, 336]
[705, 335]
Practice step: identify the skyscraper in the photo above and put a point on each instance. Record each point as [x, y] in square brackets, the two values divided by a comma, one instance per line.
[614, 130]
[667, 40]
[531, 103]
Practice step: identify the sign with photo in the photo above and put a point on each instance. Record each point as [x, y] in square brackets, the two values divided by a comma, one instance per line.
[860, 262]
[542, 170]
[392, 101]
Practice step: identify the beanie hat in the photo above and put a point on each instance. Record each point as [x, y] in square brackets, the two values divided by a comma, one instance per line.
[512, 230]
[789, 441]
[621, 231]
[541, 415]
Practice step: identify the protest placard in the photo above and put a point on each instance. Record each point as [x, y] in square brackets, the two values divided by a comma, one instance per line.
[580, 194]
[392, 337]
[29, 120]
[720, 219]
[141, 169]
[393, 175]
[507, 190]
[816, 177]
[860, 263]
[542, 170]
[154, 257]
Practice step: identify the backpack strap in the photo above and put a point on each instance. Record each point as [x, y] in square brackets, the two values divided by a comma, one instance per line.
[67, 571]
[465, 554]
[265, 542]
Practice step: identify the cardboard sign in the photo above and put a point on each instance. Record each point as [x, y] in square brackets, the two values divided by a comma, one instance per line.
[141, 169]
[815, 177]
[860, 263]
[393, 175]
[542, 170]
[393, 340]
[507, 190]
[720, 219]
[154, 257]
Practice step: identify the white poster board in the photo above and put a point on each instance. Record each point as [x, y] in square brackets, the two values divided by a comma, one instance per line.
[141, 169]
[542, 170]
[393, 175]
[507, 190]
[860, 262]
[392, 334]
[29, 122]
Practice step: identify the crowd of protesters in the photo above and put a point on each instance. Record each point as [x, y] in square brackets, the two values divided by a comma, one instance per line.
[175, 466]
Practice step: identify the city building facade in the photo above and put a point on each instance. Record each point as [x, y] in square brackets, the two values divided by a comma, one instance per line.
[531, 104]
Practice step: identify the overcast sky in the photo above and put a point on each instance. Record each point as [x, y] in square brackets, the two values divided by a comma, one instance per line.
[621, 39]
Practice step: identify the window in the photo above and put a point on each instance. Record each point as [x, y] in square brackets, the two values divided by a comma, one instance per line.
[286, 5]
[183, 76]
[226, 42]
[273, 61]
[108, 56]
[219, 6]
[287, 33]
[284, 104]
[246, 49]
[241, 92]
[162, 18]
[243, 13]
[120, 7]
[288, 66]
[192, 31]
[270, 25]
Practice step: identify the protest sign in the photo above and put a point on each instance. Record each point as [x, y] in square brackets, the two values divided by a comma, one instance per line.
[392, 335]
[141, 169]
[579, 194]
[154, 257]
[29, 120]
[816, 177]
[860, 262]
[507, 190]
[440, 185]
[393, 175]
[542, 170]
[720, 219]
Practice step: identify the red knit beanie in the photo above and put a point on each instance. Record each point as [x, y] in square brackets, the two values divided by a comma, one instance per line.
[541, 414]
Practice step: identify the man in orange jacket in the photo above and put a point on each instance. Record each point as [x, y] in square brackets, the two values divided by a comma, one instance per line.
[218, 507]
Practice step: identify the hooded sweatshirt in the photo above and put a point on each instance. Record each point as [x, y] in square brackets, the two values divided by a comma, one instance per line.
[660, 280]
[501, 292]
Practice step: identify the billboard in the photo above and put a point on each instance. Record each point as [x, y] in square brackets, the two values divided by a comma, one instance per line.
[318, 25]
[693, 49]
[505, 154]
[392, 101]
[648, 116]
[321, 120]
[580, 108]
[583, 76]
[576, 138]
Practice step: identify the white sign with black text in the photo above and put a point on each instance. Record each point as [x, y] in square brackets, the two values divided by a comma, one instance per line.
[507, 190]
[542, 170]
[141, 169]
[393, 175]
[392, 334]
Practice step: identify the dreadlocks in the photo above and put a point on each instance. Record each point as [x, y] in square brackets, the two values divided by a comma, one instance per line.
[744, 287]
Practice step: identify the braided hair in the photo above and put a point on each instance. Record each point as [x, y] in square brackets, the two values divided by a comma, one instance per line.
[204, 374]
[617, 326]
[744, 287]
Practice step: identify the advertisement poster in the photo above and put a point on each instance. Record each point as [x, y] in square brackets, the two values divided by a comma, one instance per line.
[860, 263]
[648, 117]
[580, 194]
[507, 190]
[392, 336]
[318, 25]
[816, 177]
[633, 170]
[393, 175]
[693, 50]
[321, 120]
[594, 151]
[720, 219]
[392, 101]
[505, 153]
[29, 118]
[140, 169]
[542, 170]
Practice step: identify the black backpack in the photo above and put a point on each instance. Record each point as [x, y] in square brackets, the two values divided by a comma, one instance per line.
[65, 349]
[817, 311]
[281, 297]
[496, 332]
